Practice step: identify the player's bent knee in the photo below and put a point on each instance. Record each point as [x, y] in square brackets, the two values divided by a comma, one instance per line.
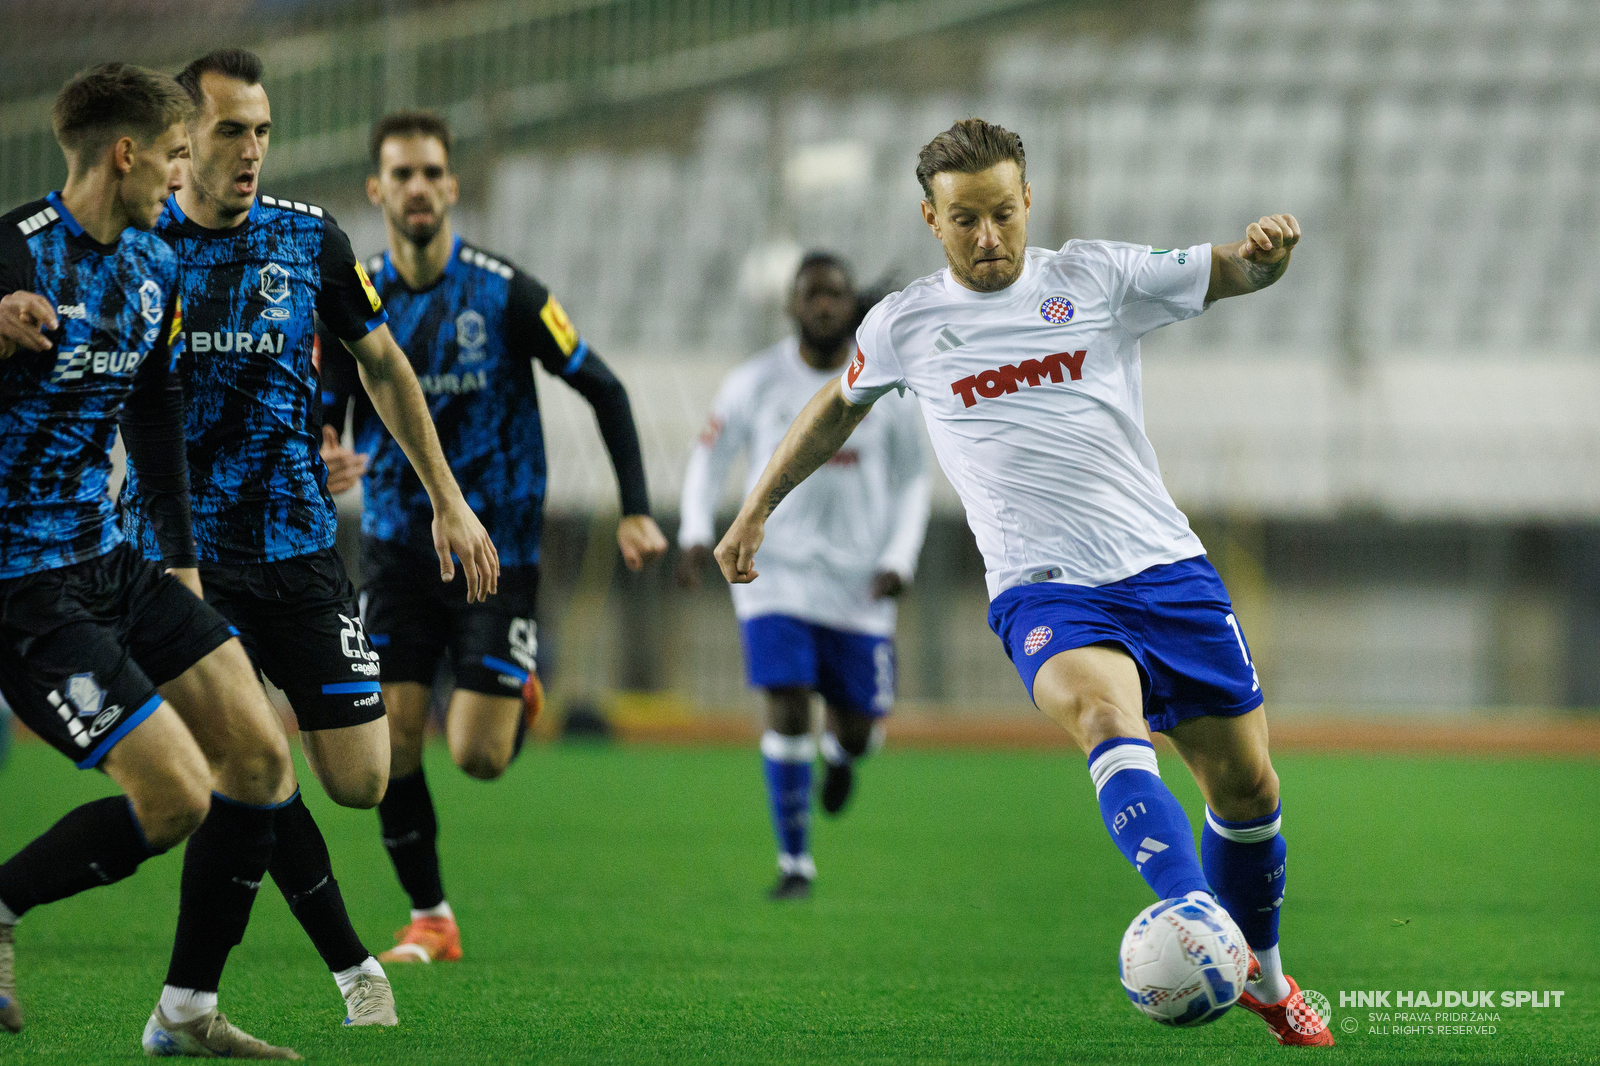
[360, 791]
[170, 809]
[1248, 792]
[1093, 720]
[482, 762]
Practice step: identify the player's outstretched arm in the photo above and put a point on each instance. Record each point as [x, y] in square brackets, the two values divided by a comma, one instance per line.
[1255, 262]
[822, 426]
[397, 397]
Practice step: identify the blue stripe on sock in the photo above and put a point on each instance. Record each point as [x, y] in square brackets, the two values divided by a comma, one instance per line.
[505, 668]
[128, 725]
[230, 801]
[344, 687]
[1248, 878]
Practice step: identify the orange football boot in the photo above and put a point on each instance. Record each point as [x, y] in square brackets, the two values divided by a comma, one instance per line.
[1292, 1022]
[426, 940]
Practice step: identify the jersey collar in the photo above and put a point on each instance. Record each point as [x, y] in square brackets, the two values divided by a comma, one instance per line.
[77, 231]
[1017, 291]
[393, 276]
[194, 227]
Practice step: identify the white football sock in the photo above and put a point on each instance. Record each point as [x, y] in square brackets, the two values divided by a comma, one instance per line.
[832, 753]
[441, 911]
[797, 864]
[185, 1004]
[346, 979]
[7, 916]
[1272, 987]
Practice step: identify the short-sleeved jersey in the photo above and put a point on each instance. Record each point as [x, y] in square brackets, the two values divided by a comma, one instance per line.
[472, 337]
[864, 511]
[1033, 400]
[117, 306]
[251, 297]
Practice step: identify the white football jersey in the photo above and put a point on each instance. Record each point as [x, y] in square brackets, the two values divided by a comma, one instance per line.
[1033, 401]
[864, 511]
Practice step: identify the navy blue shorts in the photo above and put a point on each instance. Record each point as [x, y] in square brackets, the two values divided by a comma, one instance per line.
[1175, 621]
[853, 671]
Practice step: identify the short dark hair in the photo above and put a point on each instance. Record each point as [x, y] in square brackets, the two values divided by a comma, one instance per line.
[114, 99]
[970, 146]
[230, 62]
[815, 260]
[408, 124]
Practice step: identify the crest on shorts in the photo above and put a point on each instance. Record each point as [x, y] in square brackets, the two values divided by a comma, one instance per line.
[1056, 310]
[1037, 638]
[85, 695]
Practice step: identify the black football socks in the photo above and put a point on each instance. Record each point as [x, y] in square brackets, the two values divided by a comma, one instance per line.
[303, 872]
[96, 844]
[222, 869]
[410, 835]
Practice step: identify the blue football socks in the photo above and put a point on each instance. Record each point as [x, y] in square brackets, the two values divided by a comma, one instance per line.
[1245, 862]
[787, 761]
[1145, 820]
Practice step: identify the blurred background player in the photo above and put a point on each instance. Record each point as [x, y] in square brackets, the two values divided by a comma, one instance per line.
[117, 664]
[841, 549]
[472, 326]
[256, 272]
[1026, 362]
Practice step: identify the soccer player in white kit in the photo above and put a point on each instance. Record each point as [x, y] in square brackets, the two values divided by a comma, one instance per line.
[1026, 362]
[842, 548]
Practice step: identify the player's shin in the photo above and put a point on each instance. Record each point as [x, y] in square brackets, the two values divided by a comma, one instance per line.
[1145, 820]
[96, 844]
[222, 869]
[303, 872]
[1246, 863]
[787, 764]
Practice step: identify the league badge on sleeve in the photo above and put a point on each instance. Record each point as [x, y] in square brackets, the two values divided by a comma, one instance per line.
[366, 287]
[1056, 310]
[559, 325]
[856, 366]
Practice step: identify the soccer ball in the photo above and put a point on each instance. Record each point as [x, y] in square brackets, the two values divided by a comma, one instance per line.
[1183, 961]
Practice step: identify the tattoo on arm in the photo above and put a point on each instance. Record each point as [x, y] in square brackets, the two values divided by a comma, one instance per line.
[785, 485]
[1260, 275]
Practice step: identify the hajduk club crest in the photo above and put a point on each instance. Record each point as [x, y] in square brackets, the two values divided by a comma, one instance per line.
[1037, 638]
[1056, 310]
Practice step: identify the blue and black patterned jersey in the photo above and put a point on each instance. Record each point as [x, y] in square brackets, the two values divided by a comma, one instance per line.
[472, 338]
[251, 295]
[117, 341]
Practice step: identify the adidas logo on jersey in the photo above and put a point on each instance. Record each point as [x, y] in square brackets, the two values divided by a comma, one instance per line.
[947, 341]
[73, 363]
[1006, 379]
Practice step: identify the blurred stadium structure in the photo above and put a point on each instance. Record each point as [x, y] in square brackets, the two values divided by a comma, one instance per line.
[1393, 455]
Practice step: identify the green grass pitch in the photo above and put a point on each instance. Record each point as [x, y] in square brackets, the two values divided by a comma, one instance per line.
[968, 910]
